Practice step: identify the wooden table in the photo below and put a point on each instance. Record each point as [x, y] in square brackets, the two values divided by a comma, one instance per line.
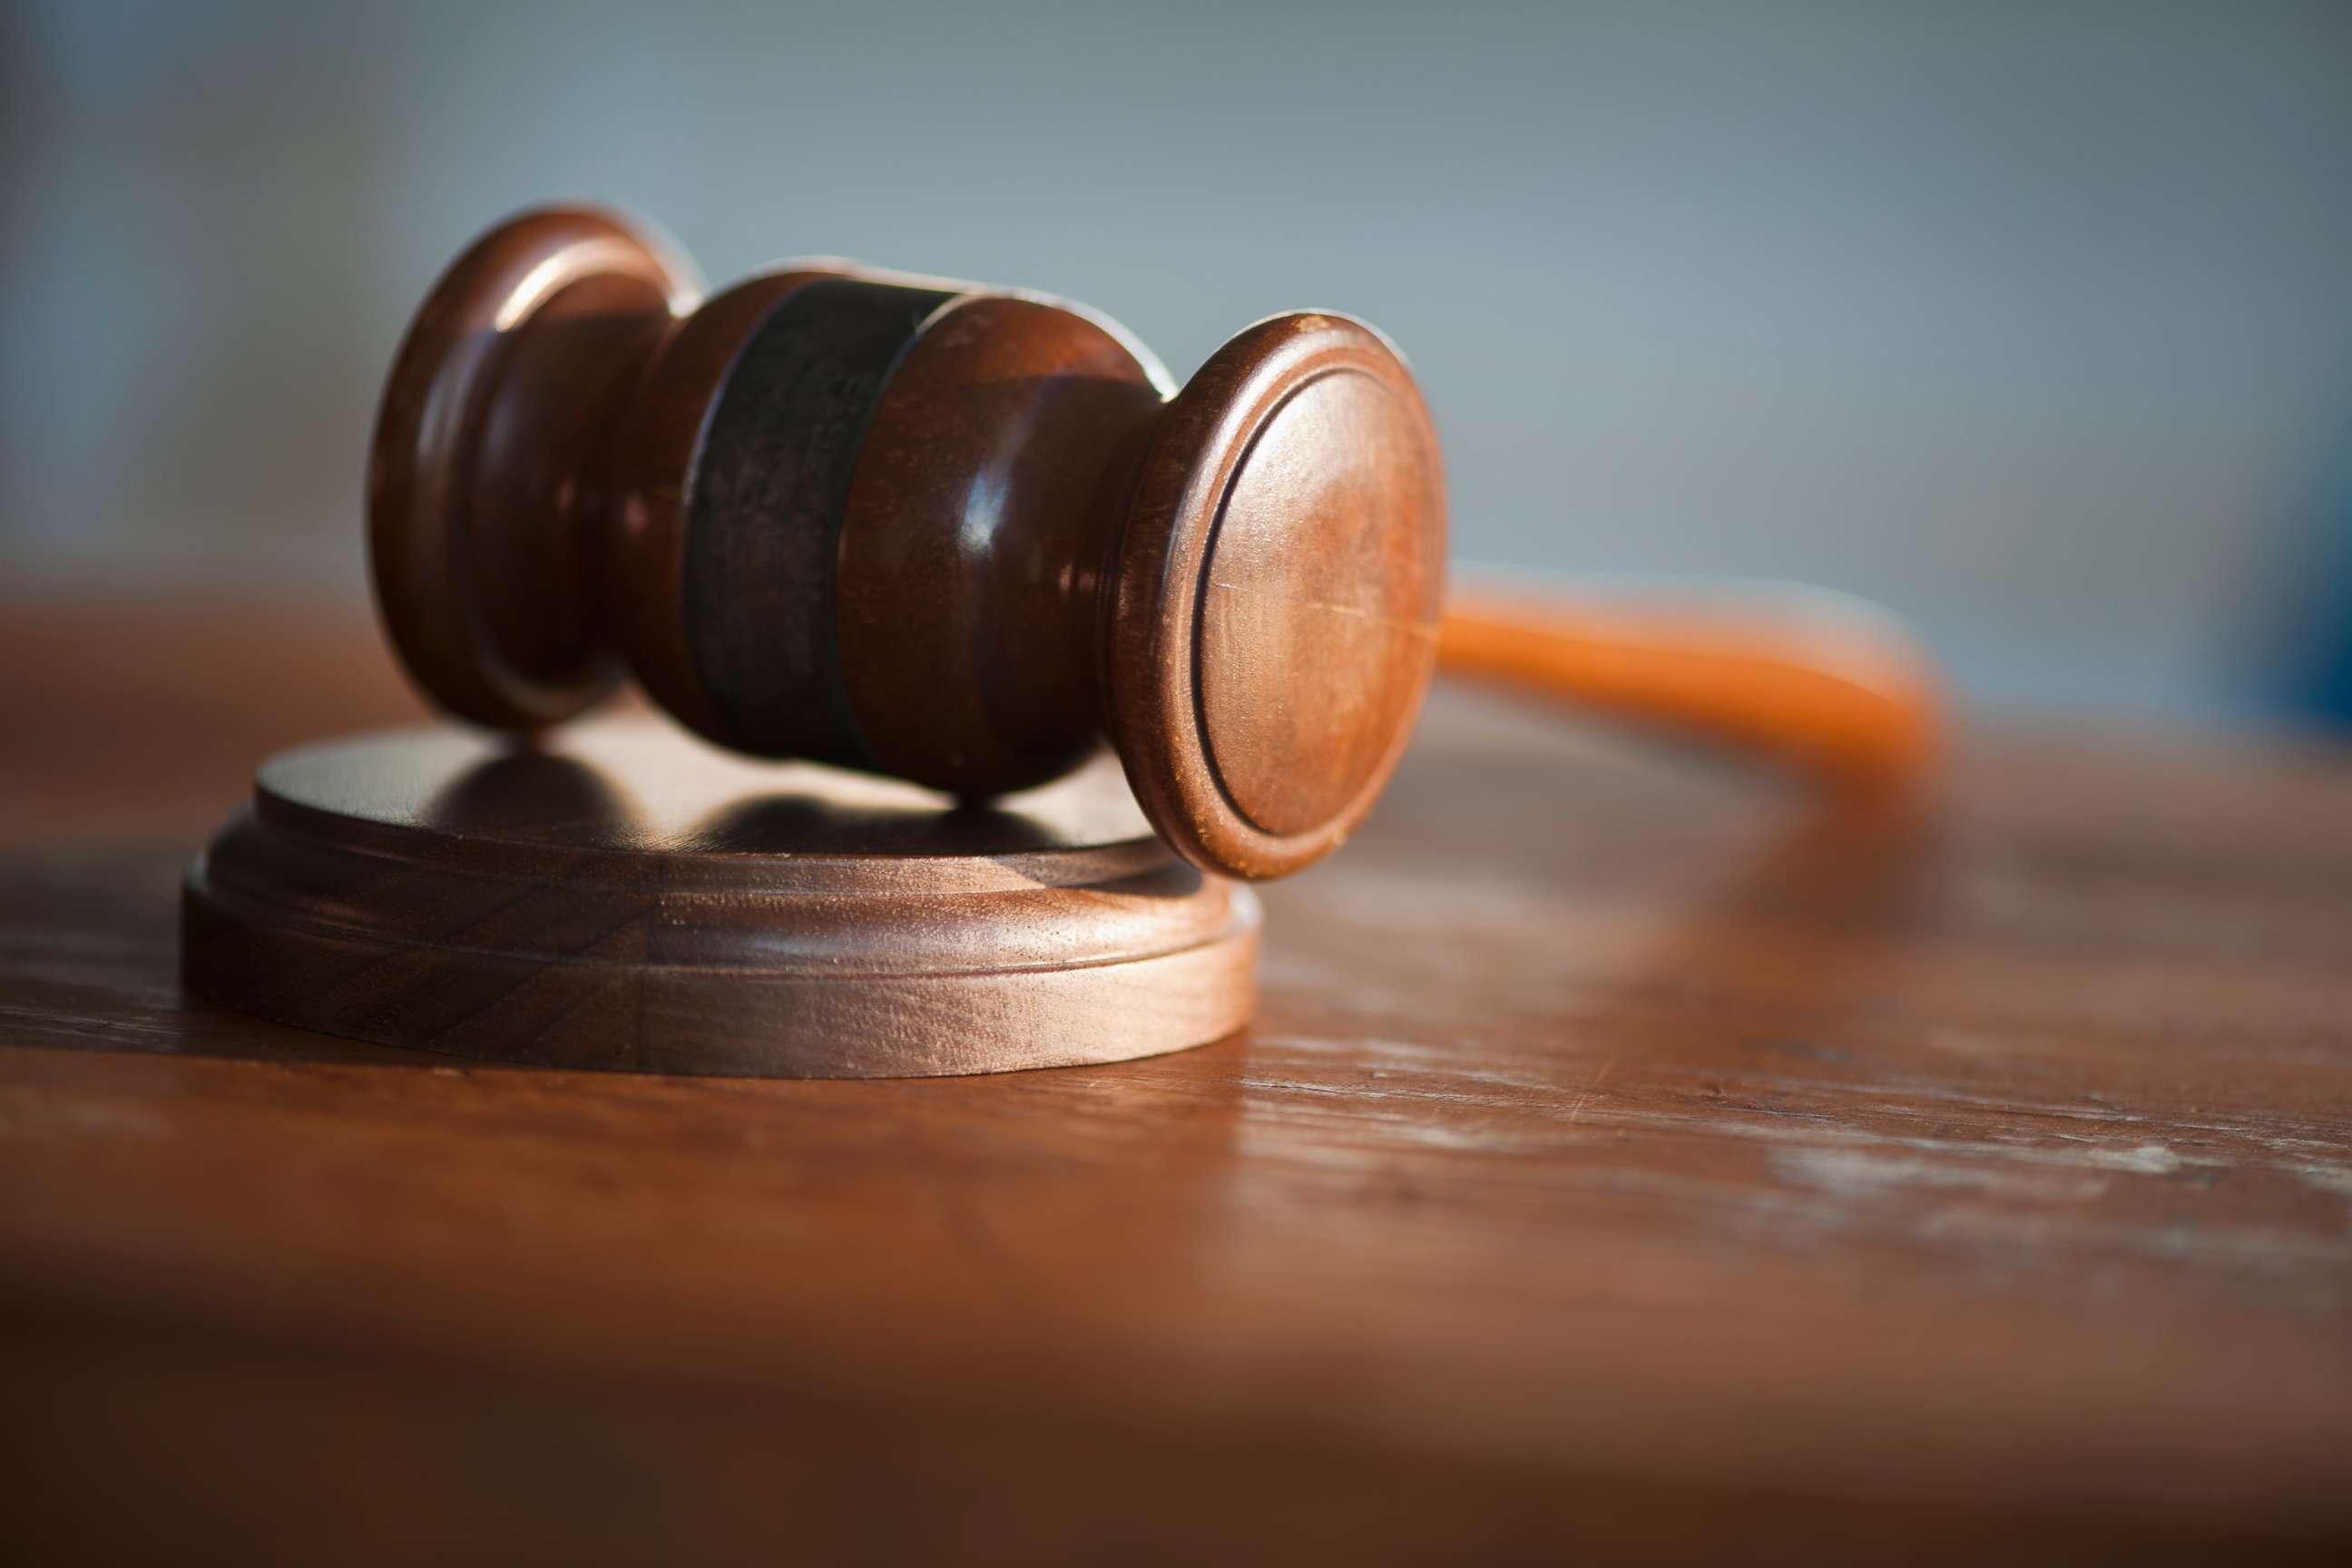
[1630, 1156]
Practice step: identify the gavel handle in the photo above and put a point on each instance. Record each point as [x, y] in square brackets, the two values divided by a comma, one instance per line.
[1830, 683]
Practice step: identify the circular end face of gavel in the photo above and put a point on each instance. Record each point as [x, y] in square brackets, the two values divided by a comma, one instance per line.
[483, 544]
[1278, 592]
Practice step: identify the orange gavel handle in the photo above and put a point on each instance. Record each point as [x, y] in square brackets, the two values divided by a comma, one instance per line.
[1826, 682]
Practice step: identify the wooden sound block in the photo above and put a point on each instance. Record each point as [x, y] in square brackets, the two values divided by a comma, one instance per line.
[626, 898]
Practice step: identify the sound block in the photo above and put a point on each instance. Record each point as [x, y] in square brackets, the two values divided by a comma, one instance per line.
[624, 898]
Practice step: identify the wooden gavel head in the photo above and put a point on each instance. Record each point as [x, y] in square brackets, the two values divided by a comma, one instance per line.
[948, 534]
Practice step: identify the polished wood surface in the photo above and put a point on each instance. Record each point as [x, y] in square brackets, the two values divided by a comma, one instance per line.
[1275, 619]
[1630, 1157]
[930, 529]
[992, 483]
[626, 898]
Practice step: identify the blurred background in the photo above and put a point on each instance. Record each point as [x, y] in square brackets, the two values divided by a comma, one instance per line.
[2032, 321]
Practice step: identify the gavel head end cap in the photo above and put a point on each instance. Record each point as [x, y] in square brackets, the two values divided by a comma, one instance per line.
[485, 568]
[1273, 623]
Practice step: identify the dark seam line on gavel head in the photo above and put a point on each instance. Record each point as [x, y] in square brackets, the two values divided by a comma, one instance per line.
[769, 493]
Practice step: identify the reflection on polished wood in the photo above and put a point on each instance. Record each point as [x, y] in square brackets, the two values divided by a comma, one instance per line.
[1627, 1157]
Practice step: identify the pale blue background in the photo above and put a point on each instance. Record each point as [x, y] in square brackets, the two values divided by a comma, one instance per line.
[2035, 321]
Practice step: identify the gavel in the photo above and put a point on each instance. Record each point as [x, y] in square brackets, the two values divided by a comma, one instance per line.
[961, 535]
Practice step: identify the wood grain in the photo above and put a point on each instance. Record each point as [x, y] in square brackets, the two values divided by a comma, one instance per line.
[1628, 1159]
[1276, 618]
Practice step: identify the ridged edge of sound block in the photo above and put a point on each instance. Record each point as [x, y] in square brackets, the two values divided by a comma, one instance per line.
[319, 907]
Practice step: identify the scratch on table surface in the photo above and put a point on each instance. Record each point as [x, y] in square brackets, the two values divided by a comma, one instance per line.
[2336, 1179]
[2328, 1178]
[1576, 1111]
[1859, 1174]
[1827, 1152]
[1423, 630]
